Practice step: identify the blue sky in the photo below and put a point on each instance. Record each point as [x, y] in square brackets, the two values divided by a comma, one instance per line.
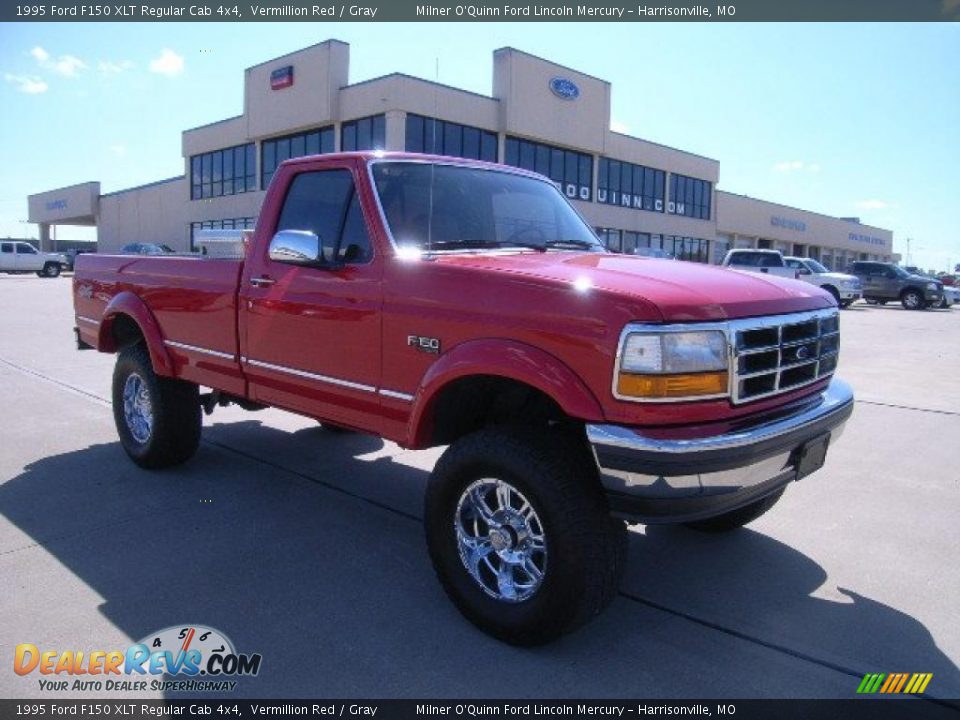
[844, 119]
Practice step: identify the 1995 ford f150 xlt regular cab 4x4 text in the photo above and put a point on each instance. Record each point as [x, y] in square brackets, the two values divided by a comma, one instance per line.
[436, 301]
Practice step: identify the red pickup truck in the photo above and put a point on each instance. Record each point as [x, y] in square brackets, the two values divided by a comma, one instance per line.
[437, 301]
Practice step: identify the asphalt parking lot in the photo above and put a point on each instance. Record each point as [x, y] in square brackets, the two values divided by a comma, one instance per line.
[307, 547]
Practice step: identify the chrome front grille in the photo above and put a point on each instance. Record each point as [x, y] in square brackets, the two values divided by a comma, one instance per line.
[777, 354]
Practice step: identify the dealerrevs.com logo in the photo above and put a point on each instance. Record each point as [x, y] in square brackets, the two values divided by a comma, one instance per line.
[186, 658]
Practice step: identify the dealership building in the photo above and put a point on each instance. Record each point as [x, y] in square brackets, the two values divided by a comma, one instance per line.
[541, 116]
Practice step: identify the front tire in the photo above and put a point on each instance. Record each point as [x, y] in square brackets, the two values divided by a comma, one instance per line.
[50, 270]
[520, 534]
[158, 419]
[736, 519]
[912, 300]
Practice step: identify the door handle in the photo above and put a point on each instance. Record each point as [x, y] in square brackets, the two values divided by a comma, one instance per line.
[262, 281]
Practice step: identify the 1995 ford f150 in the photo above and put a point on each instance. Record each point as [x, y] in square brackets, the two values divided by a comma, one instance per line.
[437, 301]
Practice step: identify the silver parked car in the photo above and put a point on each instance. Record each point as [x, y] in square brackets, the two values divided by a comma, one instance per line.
[846, 289]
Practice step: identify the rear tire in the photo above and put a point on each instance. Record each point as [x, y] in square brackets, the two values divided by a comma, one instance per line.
[520, 534]
[158, 419]
[736, 519]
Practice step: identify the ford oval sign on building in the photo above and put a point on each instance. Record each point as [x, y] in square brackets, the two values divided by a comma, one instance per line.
[564, 89]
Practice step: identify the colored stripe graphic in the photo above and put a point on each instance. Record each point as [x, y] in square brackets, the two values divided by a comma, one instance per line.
[894, 683]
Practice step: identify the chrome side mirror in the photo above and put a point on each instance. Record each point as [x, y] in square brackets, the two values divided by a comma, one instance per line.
[295, 247]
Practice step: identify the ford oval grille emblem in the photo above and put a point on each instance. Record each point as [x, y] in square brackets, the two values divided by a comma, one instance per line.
[803, 353]
[564, 89]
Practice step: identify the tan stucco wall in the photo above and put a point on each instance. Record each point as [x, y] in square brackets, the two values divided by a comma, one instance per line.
[529, 108]
[401, 92]
[152, 214]
[750, 217]
[215, 136]
[319, 73]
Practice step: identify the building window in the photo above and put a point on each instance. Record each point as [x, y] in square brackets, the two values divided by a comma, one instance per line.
[427, 135]
[628, 242]
[826, 258]
[689, 196]
[611, 239]
[230, 171]
[571, 171]
[369, 133]
[628, 185]
[240, 223]
[275, 150]
[687, 248]
[721, 246]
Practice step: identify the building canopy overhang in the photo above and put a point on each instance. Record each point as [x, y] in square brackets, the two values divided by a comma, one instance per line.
[72, 205]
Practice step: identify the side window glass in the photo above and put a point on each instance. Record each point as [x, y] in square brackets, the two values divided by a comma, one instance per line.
[316, 202]
[355, 242]
[26, 249]
[6, 247]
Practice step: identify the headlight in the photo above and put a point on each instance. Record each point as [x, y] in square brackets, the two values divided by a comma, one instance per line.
[931, 286]
[672, 365]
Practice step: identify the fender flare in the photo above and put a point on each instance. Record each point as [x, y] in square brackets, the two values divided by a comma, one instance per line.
[127, 303]
[508, 359]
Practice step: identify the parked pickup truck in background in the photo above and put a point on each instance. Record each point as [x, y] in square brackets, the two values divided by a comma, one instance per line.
[846, 289]
[438, 301]
[885, 282]
[769, 262]
[22, 257]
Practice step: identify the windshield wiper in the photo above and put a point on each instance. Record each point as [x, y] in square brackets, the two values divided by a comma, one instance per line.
[571, 243]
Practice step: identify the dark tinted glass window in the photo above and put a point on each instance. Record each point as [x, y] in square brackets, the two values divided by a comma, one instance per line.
[690, 197]
[471, 143]
[414, 141]
[488, 147]
[511, 152]
[221, 172]
[453, 207]
[367, 133]
[628, 185]
[316, 202]
[326, 203]
[571, 171]
[276, 150]
[6, 247]
[354, 242]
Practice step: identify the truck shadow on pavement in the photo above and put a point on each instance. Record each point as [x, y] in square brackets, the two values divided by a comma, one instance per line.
[306, 547]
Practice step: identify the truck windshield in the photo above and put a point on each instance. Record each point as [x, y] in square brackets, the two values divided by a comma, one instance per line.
[816, 267]
[454, 207]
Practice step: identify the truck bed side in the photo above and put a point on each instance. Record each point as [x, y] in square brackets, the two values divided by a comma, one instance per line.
[193, 301]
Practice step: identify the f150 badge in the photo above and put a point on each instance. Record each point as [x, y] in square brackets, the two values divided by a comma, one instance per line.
[424, 344]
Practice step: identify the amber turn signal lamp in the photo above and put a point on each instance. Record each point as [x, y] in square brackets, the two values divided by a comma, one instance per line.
[672, 386]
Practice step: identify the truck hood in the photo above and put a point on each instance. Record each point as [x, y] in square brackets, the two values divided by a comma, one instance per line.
[680, 291]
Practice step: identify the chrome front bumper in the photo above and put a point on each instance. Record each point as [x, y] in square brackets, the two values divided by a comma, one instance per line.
[679, 479]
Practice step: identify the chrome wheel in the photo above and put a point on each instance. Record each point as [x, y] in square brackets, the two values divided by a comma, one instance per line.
[912, 301]
[501, 540]
[137, 408]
